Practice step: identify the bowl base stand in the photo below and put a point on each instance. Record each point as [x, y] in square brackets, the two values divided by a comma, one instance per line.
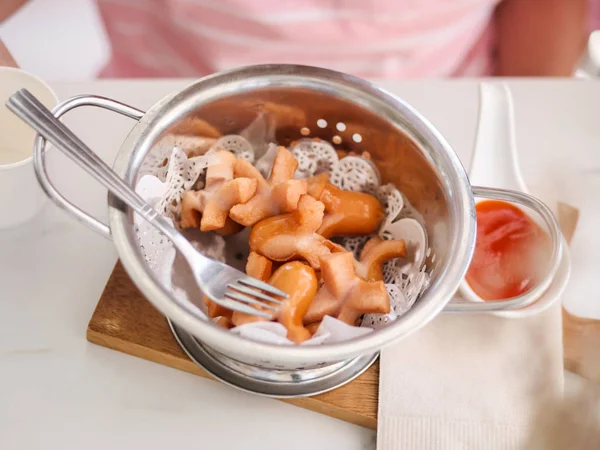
[278, 383]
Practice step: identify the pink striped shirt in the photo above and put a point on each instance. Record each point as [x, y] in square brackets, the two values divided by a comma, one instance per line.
[369, 38]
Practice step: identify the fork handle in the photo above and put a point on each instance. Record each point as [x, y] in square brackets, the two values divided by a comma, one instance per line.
[38, 117]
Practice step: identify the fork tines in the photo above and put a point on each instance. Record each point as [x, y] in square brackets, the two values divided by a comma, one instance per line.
[248, 291]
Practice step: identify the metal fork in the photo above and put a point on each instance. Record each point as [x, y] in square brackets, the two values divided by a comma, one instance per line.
[223, 284]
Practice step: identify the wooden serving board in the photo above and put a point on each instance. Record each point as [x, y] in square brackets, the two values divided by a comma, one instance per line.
[125, 321]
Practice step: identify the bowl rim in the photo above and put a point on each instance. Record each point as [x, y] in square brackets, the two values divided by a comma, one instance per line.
[189, 317]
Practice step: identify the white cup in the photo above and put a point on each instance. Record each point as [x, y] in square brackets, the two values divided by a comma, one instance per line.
[21, 196]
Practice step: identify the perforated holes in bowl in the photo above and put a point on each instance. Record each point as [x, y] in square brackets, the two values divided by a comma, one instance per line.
[304, 131]
[340, 126]
[321, 123]
[336, 139]
[357, 138]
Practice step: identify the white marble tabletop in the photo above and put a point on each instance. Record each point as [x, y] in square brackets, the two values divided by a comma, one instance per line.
[59, 391]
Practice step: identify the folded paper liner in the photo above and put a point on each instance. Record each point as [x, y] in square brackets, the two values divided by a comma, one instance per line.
[471, 381]
[177, 164]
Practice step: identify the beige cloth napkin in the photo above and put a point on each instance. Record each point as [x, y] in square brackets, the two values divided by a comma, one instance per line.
[476, 381]
[470, 382]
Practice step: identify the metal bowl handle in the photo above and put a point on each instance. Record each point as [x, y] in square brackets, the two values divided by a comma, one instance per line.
[39, 156]
[537, 291]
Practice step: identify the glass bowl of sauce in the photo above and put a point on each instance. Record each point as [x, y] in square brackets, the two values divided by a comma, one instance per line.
[512, 254]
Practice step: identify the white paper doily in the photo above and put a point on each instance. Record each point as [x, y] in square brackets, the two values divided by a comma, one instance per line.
[168, 176]
[314, 157]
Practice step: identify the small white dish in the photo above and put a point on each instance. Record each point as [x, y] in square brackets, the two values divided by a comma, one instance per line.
[21, 196]
[495, 164]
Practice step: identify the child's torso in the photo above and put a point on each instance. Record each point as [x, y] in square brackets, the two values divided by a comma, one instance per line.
[375, 39]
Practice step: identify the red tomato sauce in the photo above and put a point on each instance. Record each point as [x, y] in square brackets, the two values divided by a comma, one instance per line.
[511, 251]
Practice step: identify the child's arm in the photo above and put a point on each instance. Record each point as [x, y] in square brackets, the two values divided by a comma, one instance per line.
[540, 37]
[8, 7]
[6, 59]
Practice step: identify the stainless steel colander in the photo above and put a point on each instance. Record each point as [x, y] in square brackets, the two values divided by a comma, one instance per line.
[300, 101]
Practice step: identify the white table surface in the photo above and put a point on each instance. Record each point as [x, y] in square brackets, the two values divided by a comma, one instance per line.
[59, 391]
